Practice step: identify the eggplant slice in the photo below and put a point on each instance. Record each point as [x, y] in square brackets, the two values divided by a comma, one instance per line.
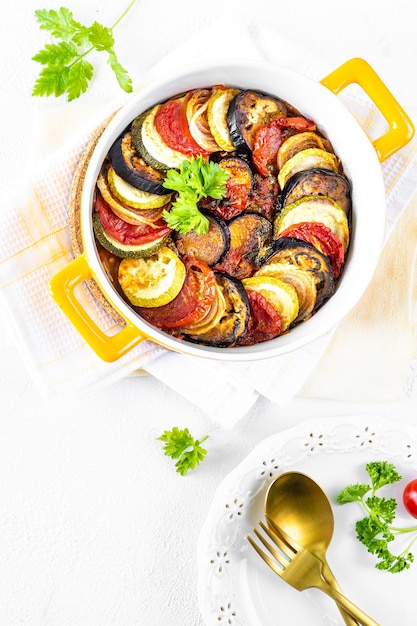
[209, 247]
[248, 111]
[314, 182]
[250, 233]
[130, 166]
[235, 320]
[306, 257]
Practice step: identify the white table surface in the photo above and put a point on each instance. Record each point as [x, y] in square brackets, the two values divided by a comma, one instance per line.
[96, 528]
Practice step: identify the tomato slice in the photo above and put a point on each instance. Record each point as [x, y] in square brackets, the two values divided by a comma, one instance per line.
[269, 137]
[322, 238]
[172, 124]
[192, 302]
[123, 232]
[265, 322]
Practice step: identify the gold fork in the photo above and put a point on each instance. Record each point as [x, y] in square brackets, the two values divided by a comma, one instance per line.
[300, 568]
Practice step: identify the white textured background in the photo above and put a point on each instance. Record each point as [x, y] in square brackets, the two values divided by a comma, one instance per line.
[96, 529]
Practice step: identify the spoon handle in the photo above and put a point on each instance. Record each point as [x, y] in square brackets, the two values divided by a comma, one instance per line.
[330, 578]
[347, 604]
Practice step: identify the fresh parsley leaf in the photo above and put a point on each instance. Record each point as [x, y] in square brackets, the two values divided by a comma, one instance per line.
[195, 179]
[65, 69]
[376, 531]
[181, 446]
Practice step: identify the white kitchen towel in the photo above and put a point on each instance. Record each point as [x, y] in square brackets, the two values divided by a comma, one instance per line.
[35, 244]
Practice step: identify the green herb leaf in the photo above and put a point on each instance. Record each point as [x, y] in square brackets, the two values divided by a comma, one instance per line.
[180, 445]
[66, 71]
[196, 179]
[376, 530]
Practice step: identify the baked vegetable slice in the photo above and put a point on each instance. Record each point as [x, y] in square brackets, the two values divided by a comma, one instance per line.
[123, 239]
[303, 282]
[250, 233]
[209, 247]
[152, 281]
[233, 323]
[128, 164]
[197, 116]
[150, 145]
[238, 187]
[217, 110]
[248, 111]
[320, 209]
[280, 294]
[305, 256]
[132, 196]
[315, 182]
[306, 160]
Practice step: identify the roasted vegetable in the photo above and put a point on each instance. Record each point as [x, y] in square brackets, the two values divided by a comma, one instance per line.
[320, 209]
[306, 160]
[152, 281]
[217, 111]
[306, 257]
[234, 321]
[197, 116]
[298, 142]
[150, 145]
[280, 294]
[303, 282]
[128, 164]
[248, 111]
[265, 322]
[209, 247]
[238, 188]
[132, 196]
[315, 182]
[249, 234]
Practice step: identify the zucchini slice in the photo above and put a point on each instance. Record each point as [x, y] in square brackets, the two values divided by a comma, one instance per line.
[154, 280]
[132, 196]
[315, 182]
[248, 111]
[303, 282]
[280, 294]
[150, 145]
[128, 164]
[123, 250]
[300, 141]
[305, 160]
[314, 209]
[305, 256]
[234, 321]
[217, 109]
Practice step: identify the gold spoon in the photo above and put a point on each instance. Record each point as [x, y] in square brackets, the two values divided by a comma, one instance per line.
[300, 507]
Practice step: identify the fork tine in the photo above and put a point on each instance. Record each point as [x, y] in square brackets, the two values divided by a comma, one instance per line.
[271, 549]
[284, 536]
[279, 539]
[272, 564]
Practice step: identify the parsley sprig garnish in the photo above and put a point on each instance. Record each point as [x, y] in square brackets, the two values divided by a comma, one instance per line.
[181, 446]
[376, 531]
[195, 179]
[66, 70]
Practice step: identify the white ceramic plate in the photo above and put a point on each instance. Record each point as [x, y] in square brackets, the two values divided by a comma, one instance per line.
[238, 589]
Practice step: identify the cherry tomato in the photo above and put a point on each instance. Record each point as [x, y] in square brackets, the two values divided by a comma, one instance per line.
[172, 124]
[128, 234]
[410, 497]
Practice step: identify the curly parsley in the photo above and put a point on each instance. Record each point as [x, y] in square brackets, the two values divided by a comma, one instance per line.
[195, 179]
[66, 71]
[181, 446]
[376, 531]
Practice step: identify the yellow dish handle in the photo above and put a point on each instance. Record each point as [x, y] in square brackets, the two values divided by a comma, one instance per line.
[401, 128]
[107, 347]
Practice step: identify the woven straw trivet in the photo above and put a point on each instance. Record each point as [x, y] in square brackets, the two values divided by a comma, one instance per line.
[75, 219]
